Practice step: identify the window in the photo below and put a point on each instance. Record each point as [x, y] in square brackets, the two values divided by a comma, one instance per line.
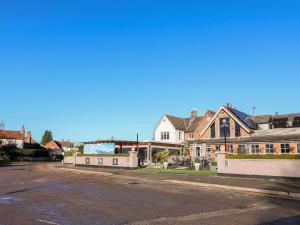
[179, 135]
[115, 161]
[100, 161]
[242, 149]
[213, 131]
[255, 149]
[285, 148]
[231, 149]
[269, 148]
[191, 136]
[224, 129]
[197, 151]
[208, 152]
[298, 148]
[237, 129]
[165, 136]
[87, 161]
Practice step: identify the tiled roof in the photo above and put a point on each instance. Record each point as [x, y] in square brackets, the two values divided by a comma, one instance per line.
[187, 124]
[177, 122]
[54, 145]
[192, 123]
[11, 134]
[261, 119]
[66, 144]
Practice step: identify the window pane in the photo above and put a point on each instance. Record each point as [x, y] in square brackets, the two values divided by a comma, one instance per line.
[224, 128]
[213, 131]
[237, 130]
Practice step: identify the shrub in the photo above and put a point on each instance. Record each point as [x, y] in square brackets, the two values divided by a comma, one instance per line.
[214, 163]
[162, 156]
[69, 153]
[269, 156]
[197, 160]
[14, 153]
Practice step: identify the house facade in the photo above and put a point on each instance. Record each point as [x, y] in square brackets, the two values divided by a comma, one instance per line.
[173, 129]
[245, 134]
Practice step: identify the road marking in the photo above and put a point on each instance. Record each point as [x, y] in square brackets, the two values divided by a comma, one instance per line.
[193, 217]
[48, 222]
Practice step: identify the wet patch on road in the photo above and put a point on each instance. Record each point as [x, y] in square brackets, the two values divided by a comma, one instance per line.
[6, 199]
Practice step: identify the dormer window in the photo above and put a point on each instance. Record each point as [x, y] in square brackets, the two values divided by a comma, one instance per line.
[191, 136]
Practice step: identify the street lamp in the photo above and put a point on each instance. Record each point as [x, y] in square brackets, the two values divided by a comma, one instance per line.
[225, 125]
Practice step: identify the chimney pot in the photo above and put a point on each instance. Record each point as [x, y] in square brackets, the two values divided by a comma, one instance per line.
[194, 113]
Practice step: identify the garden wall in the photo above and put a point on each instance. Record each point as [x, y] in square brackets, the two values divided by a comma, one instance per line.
[129, 161]
[259, 167]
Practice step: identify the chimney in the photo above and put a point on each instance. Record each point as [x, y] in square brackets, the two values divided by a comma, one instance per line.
[28, 136]
[23, 131]
[194, 114]
[229, 105]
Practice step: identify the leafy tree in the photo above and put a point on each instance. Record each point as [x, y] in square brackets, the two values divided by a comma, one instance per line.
[47, 137]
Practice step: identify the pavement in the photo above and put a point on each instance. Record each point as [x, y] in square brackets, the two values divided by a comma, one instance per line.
[279, 185]
[41, 194]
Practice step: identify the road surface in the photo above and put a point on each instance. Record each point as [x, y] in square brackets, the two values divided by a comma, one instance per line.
[39, 194]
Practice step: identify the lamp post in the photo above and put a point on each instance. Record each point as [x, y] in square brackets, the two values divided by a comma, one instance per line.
[225, 125]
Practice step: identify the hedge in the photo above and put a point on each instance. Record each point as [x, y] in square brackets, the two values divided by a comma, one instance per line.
[14, 153]
[105, 155]
[69, 153]
[269, 156]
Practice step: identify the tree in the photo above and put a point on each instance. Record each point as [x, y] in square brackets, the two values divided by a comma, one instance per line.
[47, 137]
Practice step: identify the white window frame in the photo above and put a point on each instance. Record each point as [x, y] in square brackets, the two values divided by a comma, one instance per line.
[165, 135]
[246, 150]
[268, 148]
[285, 148]
[255, 149]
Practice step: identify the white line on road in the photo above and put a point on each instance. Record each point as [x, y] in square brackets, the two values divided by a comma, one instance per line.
[48, 222]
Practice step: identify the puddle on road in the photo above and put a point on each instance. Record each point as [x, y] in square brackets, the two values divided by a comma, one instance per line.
[6, 199]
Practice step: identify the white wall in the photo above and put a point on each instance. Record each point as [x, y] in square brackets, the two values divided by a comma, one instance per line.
[264, 126]
[18, 143]
[166, 126]
[259, 167]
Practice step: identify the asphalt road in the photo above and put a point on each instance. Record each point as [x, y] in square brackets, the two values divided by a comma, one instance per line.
[38, 194]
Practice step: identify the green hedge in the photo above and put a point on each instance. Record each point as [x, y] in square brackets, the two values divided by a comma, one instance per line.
[106, 155]
[69, 153]
[269, 156]
[14, 153]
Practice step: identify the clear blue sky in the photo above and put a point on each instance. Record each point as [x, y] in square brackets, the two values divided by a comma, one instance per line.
[94, 69]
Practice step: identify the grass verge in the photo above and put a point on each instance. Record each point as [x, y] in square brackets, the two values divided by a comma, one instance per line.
[174, 171]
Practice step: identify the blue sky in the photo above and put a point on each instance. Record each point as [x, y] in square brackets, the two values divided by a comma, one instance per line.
[94, 69]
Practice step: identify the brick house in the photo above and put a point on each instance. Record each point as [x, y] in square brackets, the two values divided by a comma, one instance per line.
[245, 134]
